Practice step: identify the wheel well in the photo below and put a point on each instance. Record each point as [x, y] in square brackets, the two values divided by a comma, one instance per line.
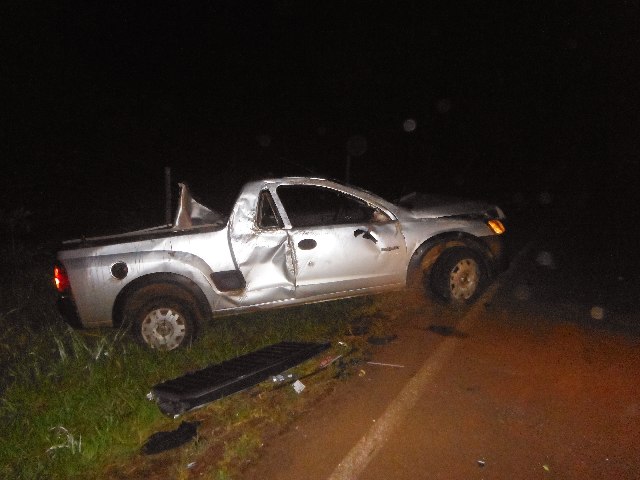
[180, 282]
[426, 254]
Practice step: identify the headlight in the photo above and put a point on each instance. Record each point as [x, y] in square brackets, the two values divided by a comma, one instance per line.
[496, 226]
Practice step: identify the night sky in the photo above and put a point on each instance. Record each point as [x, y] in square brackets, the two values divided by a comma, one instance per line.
[478, 98]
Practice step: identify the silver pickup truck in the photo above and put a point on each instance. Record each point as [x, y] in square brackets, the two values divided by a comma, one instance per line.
[286, 241]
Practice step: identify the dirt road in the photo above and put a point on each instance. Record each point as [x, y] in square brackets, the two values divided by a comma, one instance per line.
[499, 393]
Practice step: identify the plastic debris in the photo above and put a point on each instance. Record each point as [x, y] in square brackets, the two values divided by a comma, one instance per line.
[325, 362]
[166, 440]
[283, 378]
[386, 364]
[194, 389]
[481, 463]
[298, 386]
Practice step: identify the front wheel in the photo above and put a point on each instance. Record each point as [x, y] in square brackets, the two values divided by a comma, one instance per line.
[162, 318]
[458, 276]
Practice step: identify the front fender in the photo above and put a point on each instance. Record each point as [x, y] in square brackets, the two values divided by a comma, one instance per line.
[428, 252]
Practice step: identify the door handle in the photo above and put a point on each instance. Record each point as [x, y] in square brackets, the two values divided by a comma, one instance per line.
[365, 234]
[307, 244]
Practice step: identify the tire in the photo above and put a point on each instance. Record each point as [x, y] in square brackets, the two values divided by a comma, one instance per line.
[162, 317]
[458, 277]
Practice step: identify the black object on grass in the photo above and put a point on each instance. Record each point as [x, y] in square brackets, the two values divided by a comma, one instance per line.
[167, 440]
[195, 389]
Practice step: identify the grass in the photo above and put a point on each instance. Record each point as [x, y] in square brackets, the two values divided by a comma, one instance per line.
[73, 403]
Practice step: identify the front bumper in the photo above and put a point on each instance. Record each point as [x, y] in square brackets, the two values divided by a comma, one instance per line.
[499, 252]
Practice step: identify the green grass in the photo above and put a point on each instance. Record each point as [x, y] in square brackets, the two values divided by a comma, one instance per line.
[73, 403]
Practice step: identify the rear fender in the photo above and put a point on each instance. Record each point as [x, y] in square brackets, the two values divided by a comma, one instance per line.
[201, 304]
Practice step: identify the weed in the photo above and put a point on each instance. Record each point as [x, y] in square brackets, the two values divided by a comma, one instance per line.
[242, 450]
[66, 440]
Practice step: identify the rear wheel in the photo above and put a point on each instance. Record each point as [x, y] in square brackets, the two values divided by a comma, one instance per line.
[162, 317]
[458, 276]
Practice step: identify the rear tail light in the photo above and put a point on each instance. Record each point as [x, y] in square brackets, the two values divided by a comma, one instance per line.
[61, 279]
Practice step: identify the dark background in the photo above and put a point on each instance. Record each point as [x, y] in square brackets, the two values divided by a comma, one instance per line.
[512, 101]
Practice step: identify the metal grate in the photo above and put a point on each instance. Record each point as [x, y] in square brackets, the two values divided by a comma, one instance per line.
[195, 389]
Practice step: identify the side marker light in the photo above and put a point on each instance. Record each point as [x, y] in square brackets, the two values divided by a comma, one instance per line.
[496, 226]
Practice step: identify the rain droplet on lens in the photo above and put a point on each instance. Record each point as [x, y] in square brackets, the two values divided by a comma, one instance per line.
[597, 313]
[409, 125]
[443, 105]
[264, 140]
[544, 198]
[546, 260]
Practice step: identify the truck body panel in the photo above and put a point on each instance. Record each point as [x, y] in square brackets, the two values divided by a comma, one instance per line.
[286, 241]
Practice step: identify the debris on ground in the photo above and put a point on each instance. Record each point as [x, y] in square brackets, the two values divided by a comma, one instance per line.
[395, 365]
[298, 386]
[326, 361]
[176, 396]
[282, 378]
[167, 440]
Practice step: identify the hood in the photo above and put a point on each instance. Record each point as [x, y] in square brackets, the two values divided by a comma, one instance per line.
[192, 213]
[436, 206]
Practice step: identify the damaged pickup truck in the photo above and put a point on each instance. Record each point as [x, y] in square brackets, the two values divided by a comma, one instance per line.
[286, 241]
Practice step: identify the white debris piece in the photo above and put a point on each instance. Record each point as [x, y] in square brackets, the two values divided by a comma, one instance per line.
[298, 386]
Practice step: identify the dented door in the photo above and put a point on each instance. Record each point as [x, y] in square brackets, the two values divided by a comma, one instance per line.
[261, 250]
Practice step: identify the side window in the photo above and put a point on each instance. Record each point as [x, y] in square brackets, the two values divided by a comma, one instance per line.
[267, 212]
[380, 217]
[309, 206]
